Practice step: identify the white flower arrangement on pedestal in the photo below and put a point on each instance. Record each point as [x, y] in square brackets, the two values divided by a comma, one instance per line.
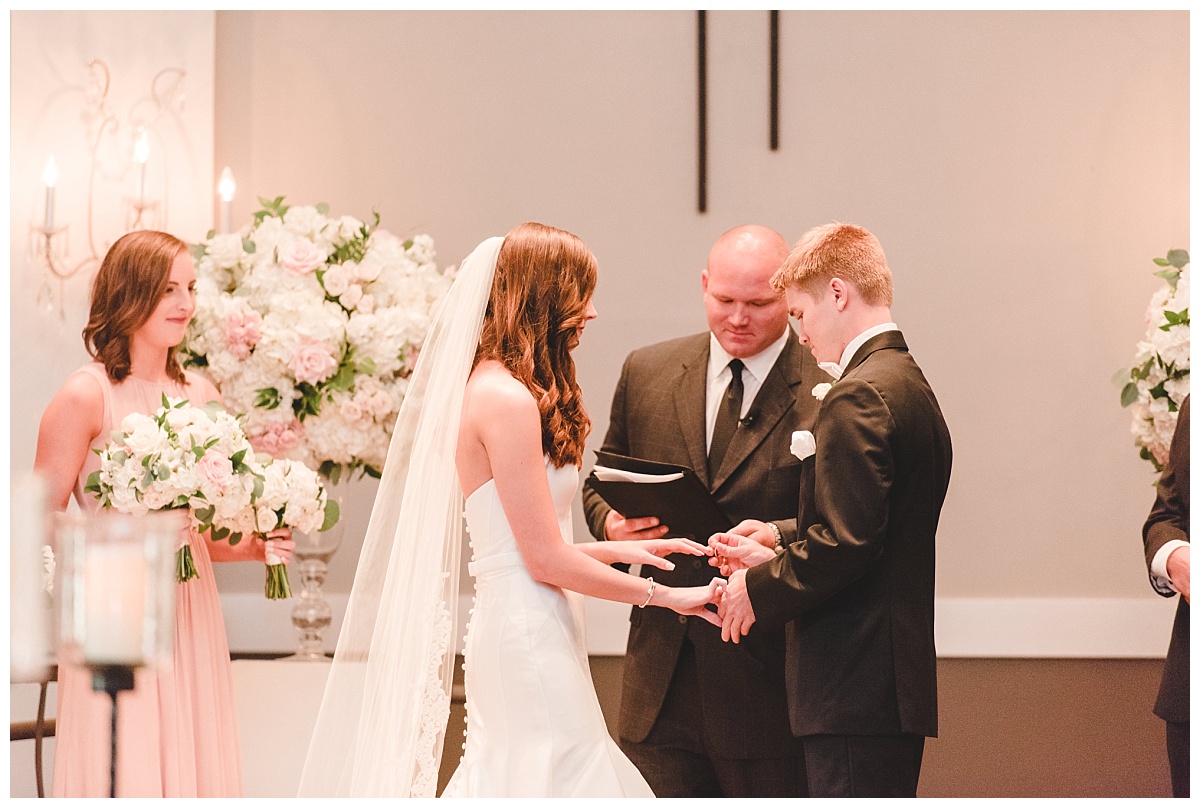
[1161, 377]
[310, 326]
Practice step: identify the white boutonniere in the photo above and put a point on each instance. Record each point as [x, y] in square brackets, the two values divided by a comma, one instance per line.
[804, 445]
[820, 390]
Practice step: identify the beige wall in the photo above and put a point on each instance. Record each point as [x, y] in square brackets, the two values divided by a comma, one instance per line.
[1021, 169]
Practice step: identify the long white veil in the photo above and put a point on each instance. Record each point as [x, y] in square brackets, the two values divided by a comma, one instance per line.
[383, 718]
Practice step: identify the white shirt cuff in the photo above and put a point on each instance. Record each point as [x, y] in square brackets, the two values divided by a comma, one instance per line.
[1158, 567]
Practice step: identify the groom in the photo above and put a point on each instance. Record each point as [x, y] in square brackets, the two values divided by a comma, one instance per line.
[857, 583]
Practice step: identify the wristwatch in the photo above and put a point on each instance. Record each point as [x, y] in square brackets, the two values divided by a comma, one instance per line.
[778, 536]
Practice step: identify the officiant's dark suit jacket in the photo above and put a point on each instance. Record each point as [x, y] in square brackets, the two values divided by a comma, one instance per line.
[658, 414]
[1170, 519]
[857, 583]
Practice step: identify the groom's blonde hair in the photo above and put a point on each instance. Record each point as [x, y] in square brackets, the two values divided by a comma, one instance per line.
[837, 250]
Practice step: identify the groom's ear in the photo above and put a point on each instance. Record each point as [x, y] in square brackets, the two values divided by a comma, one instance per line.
[841, 291]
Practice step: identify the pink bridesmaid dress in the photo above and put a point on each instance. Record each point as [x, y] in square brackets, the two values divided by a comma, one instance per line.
[177, 730]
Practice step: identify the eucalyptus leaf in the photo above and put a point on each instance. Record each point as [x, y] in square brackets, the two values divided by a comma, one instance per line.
[197, 251]
[332, 514]
[1129, 394]
[1178, 258]
[1171, 276]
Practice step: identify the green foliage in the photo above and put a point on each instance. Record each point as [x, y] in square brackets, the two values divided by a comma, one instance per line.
[267, 398]
[270, 207]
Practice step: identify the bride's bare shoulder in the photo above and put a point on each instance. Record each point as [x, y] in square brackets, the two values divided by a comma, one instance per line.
[493, 391]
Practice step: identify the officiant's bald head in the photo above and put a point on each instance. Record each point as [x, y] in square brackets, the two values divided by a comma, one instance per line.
[745, 313]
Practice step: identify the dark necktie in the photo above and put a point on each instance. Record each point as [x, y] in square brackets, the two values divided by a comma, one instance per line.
[728, 415]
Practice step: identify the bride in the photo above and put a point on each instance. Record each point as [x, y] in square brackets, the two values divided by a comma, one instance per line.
[493, 409]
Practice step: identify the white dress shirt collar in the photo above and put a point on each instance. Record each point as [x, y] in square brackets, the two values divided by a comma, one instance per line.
[836, 370]
[759, 365]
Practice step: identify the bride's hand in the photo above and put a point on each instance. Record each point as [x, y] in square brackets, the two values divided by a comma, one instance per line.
[653, 552]
[692, 599]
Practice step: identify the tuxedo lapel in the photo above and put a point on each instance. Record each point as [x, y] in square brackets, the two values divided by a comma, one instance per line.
[774, 399]
[690, 392]
[888, 339]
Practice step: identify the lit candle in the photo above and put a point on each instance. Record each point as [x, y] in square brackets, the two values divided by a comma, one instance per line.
[114, 603]
[50, 178]
[226, 188]
[141, 153]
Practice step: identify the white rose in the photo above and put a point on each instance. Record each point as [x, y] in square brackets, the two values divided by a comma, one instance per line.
[267, 520]
[804, 445]
[146, 439]
[336, 281]
[369, 269]
[820, 390]
[351, 297]
[366, 304]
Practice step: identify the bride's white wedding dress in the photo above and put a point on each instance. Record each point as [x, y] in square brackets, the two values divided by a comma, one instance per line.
[534, 725]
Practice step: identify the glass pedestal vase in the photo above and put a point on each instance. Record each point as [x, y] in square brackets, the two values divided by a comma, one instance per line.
[311, 613]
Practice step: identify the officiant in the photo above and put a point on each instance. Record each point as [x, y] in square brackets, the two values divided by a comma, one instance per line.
[702, 718]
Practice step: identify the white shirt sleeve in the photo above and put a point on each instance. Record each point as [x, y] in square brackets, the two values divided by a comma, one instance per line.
[1158, 567]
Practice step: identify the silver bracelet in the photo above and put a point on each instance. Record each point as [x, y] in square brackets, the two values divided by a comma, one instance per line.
[778, 535]
[649, 593]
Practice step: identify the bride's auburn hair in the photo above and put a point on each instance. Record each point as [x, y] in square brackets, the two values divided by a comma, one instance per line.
[544, 280]
[128, 288]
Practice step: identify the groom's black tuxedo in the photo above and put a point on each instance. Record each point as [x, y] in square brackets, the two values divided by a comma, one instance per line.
[658, 414]
[857, 584]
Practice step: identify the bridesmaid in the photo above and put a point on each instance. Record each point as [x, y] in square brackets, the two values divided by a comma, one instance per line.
[177, 729]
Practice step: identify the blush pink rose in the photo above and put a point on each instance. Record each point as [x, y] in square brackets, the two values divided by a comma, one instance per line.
[243, 330]
[301, 257]
[312, 362]
[216, 472]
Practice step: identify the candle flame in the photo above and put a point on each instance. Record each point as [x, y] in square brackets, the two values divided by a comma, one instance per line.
[50, 173]
[226, 186]
[141, 147]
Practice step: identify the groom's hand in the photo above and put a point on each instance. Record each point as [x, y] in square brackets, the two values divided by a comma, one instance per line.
[735, 610]
[755, 531]
[732, 552]
[618, 528]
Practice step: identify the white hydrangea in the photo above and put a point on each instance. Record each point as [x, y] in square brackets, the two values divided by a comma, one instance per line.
[1161, 377]
[316, 361]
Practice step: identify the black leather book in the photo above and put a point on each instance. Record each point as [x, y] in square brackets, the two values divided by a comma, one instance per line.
[683, 504]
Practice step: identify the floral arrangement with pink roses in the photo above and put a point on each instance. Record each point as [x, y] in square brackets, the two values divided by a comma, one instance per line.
[310, 326]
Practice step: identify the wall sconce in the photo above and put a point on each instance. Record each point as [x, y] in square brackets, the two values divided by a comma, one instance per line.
[48, 242]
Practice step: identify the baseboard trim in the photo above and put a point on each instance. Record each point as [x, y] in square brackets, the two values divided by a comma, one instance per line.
[1086, 628]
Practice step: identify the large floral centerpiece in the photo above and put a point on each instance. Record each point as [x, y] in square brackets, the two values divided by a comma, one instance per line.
[1161, 377]
[310, 325]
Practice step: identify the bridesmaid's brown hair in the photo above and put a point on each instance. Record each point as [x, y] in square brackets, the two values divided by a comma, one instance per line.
[544, 280]
[132, 280]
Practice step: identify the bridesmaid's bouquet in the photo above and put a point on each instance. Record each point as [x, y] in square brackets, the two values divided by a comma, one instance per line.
[291, 496]
[183, 456]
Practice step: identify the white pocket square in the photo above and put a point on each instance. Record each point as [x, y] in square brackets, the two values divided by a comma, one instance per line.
[804, 445]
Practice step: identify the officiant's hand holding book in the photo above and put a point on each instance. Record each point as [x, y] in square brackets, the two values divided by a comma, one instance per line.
[665, 495]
